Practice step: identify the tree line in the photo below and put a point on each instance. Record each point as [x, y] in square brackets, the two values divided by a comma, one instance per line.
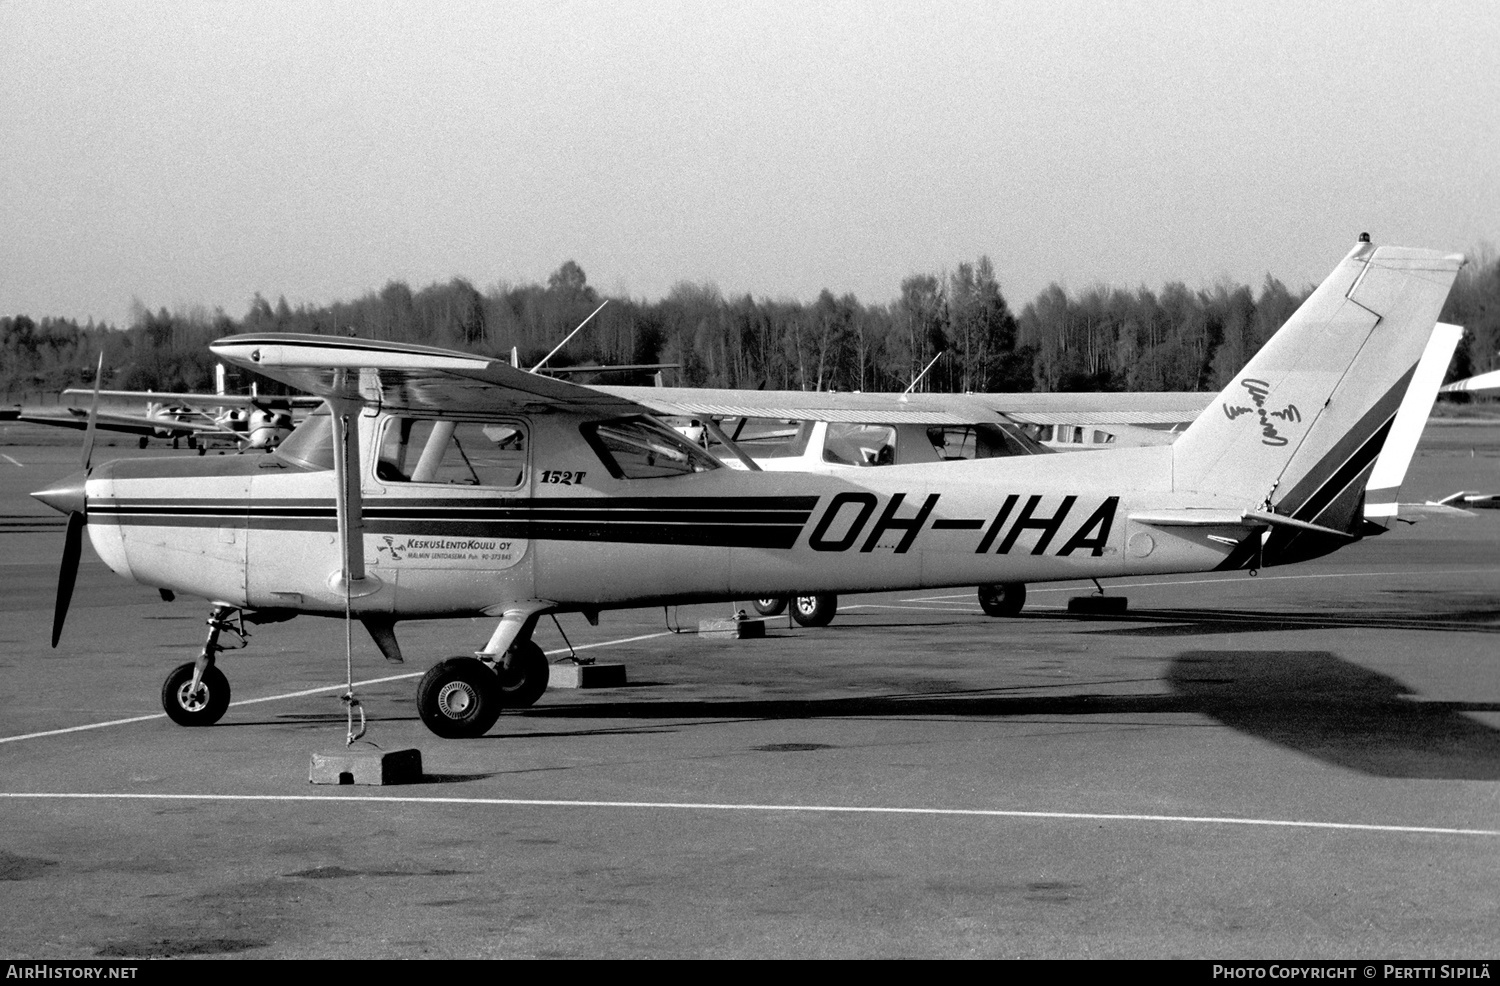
[958, 322]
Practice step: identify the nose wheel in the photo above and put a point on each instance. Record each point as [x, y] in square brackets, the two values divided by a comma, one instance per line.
[189, 706]
[197, 693]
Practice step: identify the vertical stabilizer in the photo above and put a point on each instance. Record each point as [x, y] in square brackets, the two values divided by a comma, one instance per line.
[1299, 428]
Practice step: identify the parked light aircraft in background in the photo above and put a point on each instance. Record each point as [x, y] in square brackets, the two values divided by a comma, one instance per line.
[248, 421]
[440, 484]
[1483, 383]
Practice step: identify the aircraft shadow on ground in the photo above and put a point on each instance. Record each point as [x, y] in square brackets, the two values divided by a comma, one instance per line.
[1195, 622]
[1311, 702]
[1325, 707]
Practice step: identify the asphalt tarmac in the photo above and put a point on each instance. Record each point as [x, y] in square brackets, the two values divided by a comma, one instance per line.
[1305, 764]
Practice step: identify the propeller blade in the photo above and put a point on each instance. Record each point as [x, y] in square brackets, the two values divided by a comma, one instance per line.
[72, 548]
[88, 434]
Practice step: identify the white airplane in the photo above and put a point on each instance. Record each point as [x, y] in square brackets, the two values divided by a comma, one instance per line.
[1483, 383]
[247, 420]
[440, 484]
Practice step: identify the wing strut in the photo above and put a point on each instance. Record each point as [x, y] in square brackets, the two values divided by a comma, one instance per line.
[351, 543]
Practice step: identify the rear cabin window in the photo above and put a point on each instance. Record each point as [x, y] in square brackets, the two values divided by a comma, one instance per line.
[640, 448]
[984, 440]
[453, 453]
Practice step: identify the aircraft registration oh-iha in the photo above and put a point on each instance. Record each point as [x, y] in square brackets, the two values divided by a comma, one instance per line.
[438, 484]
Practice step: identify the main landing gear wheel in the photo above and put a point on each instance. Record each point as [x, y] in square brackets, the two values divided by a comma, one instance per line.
[774, 606]
[202, 708]
[523, 674]
[815, 611]
[1005, 599]
[459, 698]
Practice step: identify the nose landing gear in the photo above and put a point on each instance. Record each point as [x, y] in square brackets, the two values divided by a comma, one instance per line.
[197, 693]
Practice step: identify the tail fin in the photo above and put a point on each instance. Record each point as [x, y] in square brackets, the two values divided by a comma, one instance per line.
[1390, 469]
[1299, 429]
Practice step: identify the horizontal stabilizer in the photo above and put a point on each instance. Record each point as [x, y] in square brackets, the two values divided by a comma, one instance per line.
[1248, 519]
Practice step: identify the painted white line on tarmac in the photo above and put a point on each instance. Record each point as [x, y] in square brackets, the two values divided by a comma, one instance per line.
[302, 694]
[13, 462]
[1077, 816]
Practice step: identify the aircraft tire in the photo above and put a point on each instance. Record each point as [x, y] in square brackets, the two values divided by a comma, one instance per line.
[203, 710]
[143, 441]
[815, 611]
[1004, 599]
[459, 698]
[772, 606]
[523, 675]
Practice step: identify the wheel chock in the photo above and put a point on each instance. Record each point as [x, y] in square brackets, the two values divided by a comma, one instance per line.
[366, 767]
[570, 675]
[1098, 605]
[732, 629]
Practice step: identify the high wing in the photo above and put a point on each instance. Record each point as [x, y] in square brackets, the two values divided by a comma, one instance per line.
[420, 379]
[1100, 409]
[560, 371]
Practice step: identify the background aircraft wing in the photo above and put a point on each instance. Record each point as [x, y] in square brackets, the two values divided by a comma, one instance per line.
[128, 423]
[412, 378]
[1100, 409]
[1081, 409]
[805, 405]
[1484, 383]
[200, 400]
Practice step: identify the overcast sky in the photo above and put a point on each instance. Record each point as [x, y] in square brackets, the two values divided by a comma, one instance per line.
[197, 153]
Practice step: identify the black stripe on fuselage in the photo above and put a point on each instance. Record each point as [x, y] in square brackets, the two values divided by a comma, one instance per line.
[773, 522]
[1309, 497]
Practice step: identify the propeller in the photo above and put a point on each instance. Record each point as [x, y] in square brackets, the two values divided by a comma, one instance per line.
[70, 497]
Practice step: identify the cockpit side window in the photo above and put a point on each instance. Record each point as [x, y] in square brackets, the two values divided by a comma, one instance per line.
[640, 448]
[860, 444]
[453, 453]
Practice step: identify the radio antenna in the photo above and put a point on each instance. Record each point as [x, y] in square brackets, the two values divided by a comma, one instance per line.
[569, 336]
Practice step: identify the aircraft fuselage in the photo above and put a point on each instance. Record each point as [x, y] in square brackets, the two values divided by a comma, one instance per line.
[260, 532]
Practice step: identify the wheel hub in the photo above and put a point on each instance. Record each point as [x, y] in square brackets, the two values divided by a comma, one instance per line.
[190, 700]
[456, 699]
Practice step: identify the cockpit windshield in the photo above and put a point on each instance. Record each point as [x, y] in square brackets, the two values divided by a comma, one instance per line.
[310, 444]
[641, 448]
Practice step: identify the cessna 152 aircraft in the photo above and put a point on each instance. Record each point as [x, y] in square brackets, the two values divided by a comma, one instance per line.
[440, 484]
